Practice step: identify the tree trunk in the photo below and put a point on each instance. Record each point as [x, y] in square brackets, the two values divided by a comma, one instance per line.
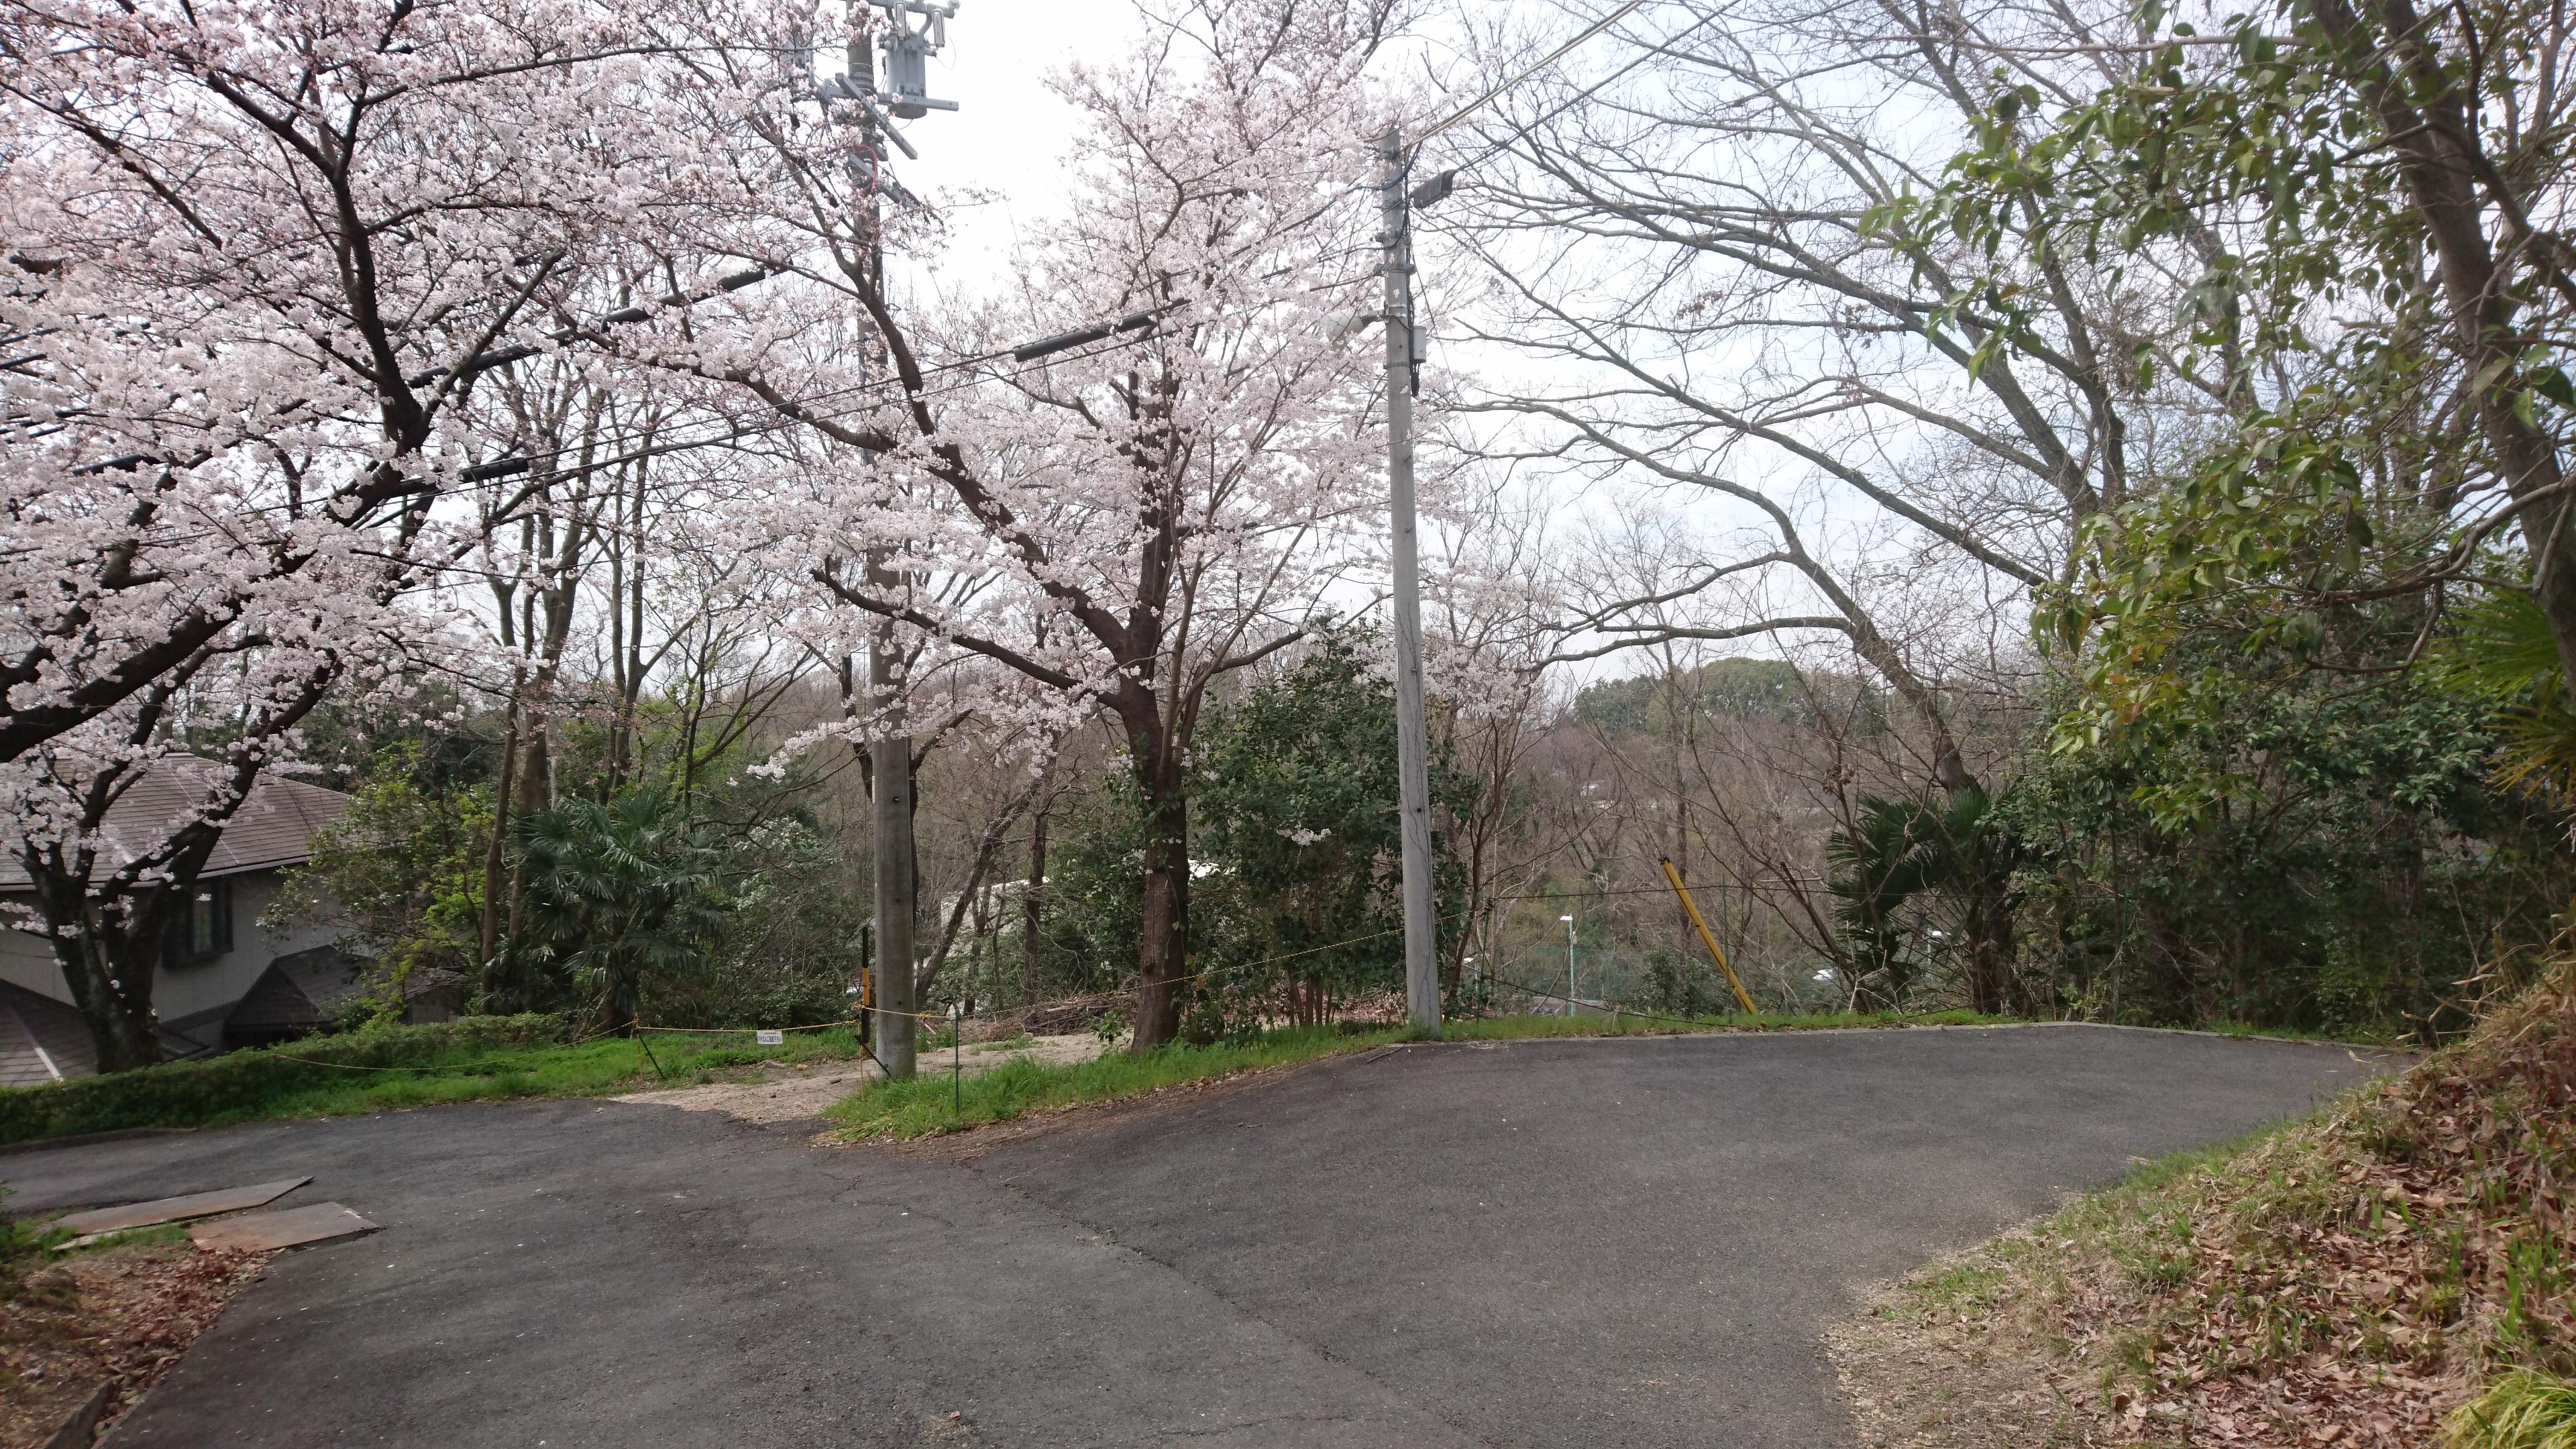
[495, 849]
[1993, 987]
[1163, 945]
[2428, 112]
[111, 968]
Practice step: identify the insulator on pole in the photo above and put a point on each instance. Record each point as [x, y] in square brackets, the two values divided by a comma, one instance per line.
[907, 55]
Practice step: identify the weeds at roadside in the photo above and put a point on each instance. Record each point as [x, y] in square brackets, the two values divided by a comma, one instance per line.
[1629, 1023]
[2352, 1277]
[410, 1067]
[2522, 1410]
[933, 1102]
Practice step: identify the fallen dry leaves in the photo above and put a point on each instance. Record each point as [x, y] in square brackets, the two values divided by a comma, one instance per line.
[2345, 1281]
[121, 1316]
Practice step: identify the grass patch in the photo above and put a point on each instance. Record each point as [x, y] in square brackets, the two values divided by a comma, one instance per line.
[28, 1244]
[2393, 1268]
[2249, 1031]
[935, 1102]
[2522, 1411]
[1518, 1028]
[477, 1059]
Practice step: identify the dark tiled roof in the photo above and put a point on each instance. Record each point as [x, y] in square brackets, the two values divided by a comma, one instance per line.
[301, 992]
[273, 828]
[41, 1040]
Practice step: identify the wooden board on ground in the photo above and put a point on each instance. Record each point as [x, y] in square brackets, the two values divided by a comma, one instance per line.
[294, 1227]
[180, 1209]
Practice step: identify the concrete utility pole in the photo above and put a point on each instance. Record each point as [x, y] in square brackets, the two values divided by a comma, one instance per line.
[1569, 964]
[1412, 745]
[890, 767]
[896, 1027]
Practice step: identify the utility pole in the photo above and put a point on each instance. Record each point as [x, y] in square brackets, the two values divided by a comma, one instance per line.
[890, 769]
[1412, 744]
[1569, 966]
[907, 49]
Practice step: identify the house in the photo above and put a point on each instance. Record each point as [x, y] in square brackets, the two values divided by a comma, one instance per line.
[226, 979]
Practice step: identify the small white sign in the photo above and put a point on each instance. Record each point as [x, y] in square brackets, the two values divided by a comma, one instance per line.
[770, 1038]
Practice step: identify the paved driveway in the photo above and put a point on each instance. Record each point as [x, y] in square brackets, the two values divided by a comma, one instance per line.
[1629, 1242]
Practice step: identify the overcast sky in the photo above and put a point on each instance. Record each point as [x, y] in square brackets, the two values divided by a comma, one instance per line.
[1008, 139]
[1008, 133]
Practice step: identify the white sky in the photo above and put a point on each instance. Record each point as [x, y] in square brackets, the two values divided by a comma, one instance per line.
[1008, 135]
[1009, 132]
[1008, 139]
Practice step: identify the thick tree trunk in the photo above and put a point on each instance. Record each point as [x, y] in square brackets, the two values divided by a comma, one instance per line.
[2429, 114]
[1994, 988]
[496, 850]
[111, 967]
[1163, 946]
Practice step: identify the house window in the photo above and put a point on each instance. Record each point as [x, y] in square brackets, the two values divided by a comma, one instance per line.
[204, 929]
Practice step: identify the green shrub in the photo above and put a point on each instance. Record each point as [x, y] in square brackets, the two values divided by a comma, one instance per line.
[21, 1246]
[242, 1084]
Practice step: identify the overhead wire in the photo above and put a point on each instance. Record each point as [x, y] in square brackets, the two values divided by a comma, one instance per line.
[1551, 58]
[725, 433]
[1139, 322]
[1496, 148]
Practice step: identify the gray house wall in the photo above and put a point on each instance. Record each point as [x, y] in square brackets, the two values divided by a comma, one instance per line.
[272, 832]
[191, 999]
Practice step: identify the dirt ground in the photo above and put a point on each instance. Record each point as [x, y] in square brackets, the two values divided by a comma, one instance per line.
[1919, 1380]
[784, 1093]
[120, 1317]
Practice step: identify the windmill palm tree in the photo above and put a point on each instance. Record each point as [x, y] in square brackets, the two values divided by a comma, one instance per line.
[618, 892]
[1899, 850]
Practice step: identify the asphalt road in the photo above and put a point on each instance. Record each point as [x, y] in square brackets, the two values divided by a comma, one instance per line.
[1632, 1242]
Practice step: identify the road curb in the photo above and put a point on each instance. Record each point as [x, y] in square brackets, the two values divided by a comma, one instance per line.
[1755, 1031]
[85, 1139]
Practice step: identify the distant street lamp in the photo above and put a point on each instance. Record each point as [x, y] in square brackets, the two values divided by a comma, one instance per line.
[1569, 966]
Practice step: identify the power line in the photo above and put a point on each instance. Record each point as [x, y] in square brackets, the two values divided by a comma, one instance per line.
[1138, 323]
[736, 432]
[1587, 93]
[1551, 58]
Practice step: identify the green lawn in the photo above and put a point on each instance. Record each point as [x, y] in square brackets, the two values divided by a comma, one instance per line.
[494, 1058]
[592, 1068]
[478, 1059]
[937, 1102]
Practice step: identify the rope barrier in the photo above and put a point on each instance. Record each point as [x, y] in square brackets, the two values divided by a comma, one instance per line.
[1613, 1011]
[1175, 984]
[1181, 981]
[575, 1040]
[712, 1030]
[1178, 982]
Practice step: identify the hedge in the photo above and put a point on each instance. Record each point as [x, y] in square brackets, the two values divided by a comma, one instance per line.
[243, 1083]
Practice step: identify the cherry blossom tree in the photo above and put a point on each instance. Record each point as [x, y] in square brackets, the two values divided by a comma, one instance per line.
[258, 258]
[1164, 494]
